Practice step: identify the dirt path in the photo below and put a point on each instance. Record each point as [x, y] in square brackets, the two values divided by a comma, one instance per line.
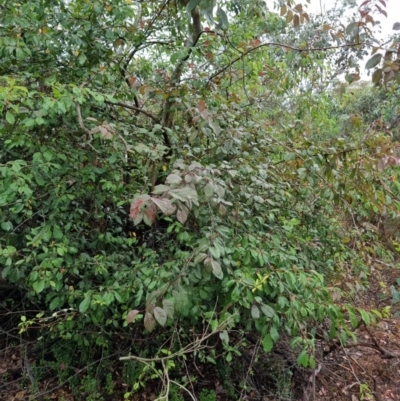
[370, 369]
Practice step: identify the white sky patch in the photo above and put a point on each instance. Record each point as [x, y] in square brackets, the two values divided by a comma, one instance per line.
[392, 9]
[386, 24]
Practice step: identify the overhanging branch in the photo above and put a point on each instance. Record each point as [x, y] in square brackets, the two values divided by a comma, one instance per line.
[310, 49]
[138, 109]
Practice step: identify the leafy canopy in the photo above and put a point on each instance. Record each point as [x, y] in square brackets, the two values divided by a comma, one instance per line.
[187, 160]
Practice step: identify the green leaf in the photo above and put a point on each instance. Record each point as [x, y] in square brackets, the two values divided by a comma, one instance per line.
[343, 337]
[214, 324]
[16, 165]
[311, 362]
[180, 55]
[223, 22]
[180, 299]
[303, 359]
[57, 233]
[209, 190]
[108, 298]
[215, 253]
[10, 117]
[267, 343]
[81, 59]
[351, 26]
[168, 306]
[29, 122]
[255, 312]
[377, 76]
[274, 334]
[353, 319]
[46, 234]
[48, 155]
[6, 225]
[118, 297]
[55, 303]
[333, 330]
[352, 78]
[173, 179]
[216, 269]
[365, 317]
[199, 258]
[160, 189]
[39, 180]
[84, 305]
[38, 286]
[267, 310]
[373, 61]
[224, 336]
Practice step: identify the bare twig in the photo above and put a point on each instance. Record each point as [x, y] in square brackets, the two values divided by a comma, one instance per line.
[310, 49]
[138, 109]
[385, 353]
[190, 348]
[253, 356]
[82, 125]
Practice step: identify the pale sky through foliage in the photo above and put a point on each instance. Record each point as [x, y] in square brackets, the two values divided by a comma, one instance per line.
[392, 9]
[386, 24]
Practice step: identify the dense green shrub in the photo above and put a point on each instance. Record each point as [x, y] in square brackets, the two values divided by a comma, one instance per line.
[149, 179]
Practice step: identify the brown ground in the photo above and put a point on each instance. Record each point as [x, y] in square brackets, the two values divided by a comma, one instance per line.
[369, 370]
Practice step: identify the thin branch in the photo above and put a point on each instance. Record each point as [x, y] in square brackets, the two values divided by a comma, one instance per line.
[394, 123]
[82, 125]
[146, 35]
[183, 388]
[384, 352]
[190, 348]
[249, 369]
[310, 49]
[80, 121]
[131, 107]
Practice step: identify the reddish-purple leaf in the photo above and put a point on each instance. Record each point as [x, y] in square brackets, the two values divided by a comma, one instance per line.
[364, 3]
[149, 322]
[182, 214]
[381, 11]
[136, 205]
[151, 212]
[150, 308]
[202, 105]
[131, 316]
[164, 205]
[296, 21]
